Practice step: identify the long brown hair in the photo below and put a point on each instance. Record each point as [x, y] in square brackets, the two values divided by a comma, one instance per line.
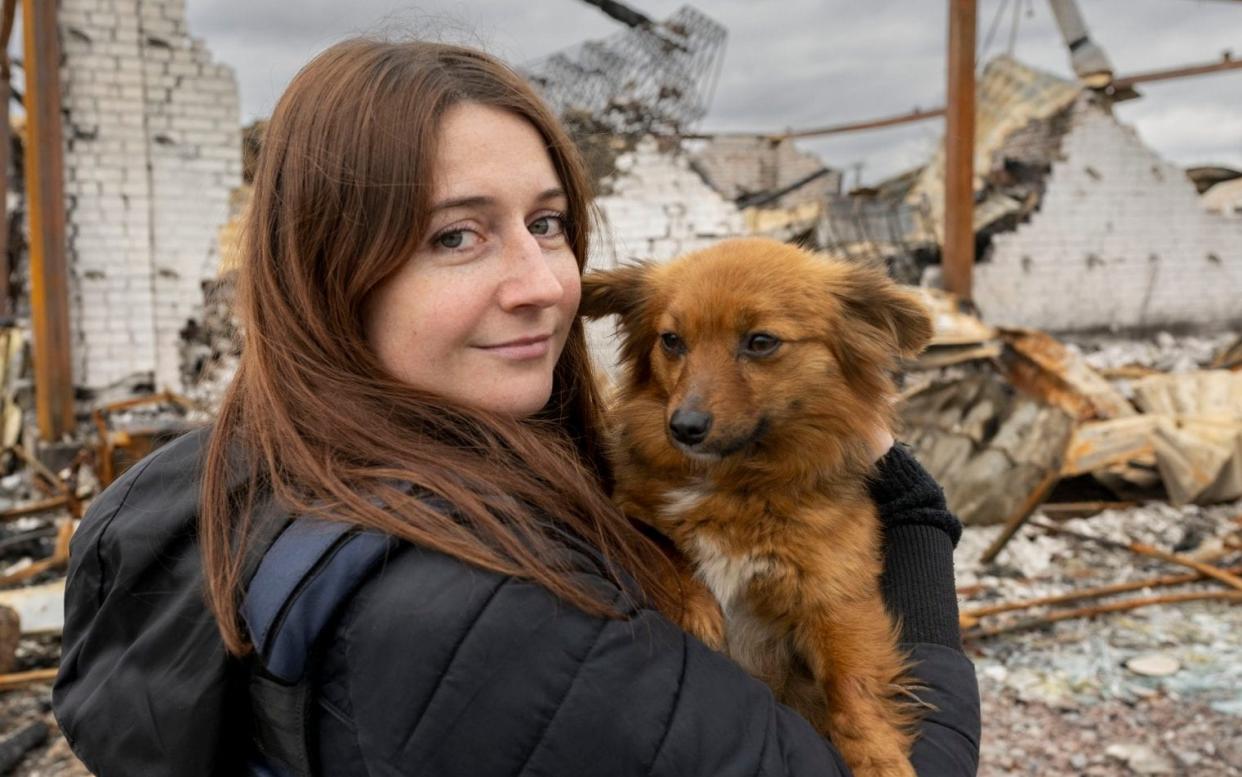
[313, 421]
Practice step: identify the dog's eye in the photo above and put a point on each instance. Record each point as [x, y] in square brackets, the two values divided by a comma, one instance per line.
[672, 343]
[761, 344]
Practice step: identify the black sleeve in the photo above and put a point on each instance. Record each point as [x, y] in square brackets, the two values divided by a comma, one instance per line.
[919, 536]
[457, 672]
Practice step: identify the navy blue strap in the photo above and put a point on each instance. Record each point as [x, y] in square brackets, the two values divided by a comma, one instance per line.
[311, 568]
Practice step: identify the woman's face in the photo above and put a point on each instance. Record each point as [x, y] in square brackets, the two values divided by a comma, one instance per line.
[481, 311]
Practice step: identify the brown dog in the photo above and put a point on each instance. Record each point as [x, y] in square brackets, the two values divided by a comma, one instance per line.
[755, 373]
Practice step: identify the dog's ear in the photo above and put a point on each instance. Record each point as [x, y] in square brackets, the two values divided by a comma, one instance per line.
[629, 291]
[879, 323]
[896, 319]
[624, 290]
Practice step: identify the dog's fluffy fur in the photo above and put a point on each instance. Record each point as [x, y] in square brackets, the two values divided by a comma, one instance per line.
[789, 353]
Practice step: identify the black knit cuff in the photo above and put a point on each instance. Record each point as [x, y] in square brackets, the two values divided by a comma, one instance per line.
[918, 584]
[905, 494]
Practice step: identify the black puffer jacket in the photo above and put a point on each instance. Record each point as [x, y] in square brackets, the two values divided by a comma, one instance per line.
[434, 667]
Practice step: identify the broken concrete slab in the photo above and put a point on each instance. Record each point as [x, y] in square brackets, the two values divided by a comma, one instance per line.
[952, 322]
[40, 608]
[1042, 366]
[1097, 445]
[1188, 464]
[989, 447]
[1200, 394]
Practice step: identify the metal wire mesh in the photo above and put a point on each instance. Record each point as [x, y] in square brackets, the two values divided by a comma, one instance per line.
[648, 79]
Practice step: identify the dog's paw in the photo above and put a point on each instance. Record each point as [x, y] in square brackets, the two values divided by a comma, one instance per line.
[708, 625]
[703, 618]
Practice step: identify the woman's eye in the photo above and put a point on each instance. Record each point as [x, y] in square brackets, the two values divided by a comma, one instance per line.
[548, 226]
[762, 344]
[455, 239]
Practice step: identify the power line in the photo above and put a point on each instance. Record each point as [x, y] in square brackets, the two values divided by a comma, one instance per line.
[982, 56]
[1013, 31]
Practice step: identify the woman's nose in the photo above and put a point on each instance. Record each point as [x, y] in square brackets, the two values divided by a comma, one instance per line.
[529, 279]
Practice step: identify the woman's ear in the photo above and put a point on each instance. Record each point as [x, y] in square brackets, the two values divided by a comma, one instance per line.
[624, 290]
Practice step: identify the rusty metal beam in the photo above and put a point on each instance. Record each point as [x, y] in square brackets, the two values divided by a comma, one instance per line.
[919, 114]
[958, 260]
[45, 193]
[891, 121]
[7, 17]
[1227, 62]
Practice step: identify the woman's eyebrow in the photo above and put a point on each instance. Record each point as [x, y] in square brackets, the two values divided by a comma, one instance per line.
[482, 201]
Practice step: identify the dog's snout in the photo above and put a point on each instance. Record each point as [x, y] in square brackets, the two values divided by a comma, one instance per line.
[690, 427]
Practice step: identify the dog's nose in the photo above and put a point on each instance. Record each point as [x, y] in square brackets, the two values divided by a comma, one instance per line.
[690, 427]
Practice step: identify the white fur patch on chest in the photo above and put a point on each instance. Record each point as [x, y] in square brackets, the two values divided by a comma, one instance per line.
[679, 501]
[727, 575]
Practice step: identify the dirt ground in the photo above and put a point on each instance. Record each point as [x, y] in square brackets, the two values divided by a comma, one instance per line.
[1109, 738]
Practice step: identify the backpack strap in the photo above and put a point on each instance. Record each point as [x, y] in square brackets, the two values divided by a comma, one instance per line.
[311, 568]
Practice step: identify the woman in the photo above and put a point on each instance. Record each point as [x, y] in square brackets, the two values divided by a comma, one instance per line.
[413, 367]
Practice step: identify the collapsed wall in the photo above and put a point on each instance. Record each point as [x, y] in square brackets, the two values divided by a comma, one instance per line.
[152, 150]
[1120, 240]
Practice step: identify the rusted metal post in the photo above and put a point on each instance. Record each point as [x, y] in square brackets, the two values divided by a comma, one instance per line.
[958, 259]
[6, 31]
[45, 193]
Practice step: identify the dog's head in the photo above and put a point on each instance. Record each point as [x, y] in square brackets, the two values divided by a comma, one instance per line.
[754, 340]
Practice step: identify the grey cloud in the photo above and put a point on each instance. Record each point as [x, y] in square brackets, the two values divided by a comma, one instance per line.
[789, 62]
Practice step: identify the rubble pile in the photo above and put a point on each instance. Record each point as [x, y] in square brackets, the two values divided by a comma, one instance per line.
[211, 347]
[1008, 418]
[1153, 690]
[1162, 352]
[1100, 477]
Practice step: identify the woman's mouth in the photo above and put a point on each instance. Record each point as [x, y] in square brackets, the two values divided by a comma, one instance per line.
[522, 348]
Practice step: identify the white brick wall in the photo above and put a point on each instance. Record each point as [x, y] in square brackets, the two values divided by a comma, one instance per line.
[658, 209]
[1120, 240]
[153, 149]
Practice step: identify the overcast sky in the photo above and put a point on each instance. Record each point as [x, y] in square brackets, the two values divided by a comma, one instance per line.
[793, 63]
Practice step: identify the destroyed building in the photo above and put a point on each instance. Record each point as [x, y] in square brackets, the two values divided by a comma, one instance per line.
[754, 171]
[629, 99]
[1082, 225]
[152, 151]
